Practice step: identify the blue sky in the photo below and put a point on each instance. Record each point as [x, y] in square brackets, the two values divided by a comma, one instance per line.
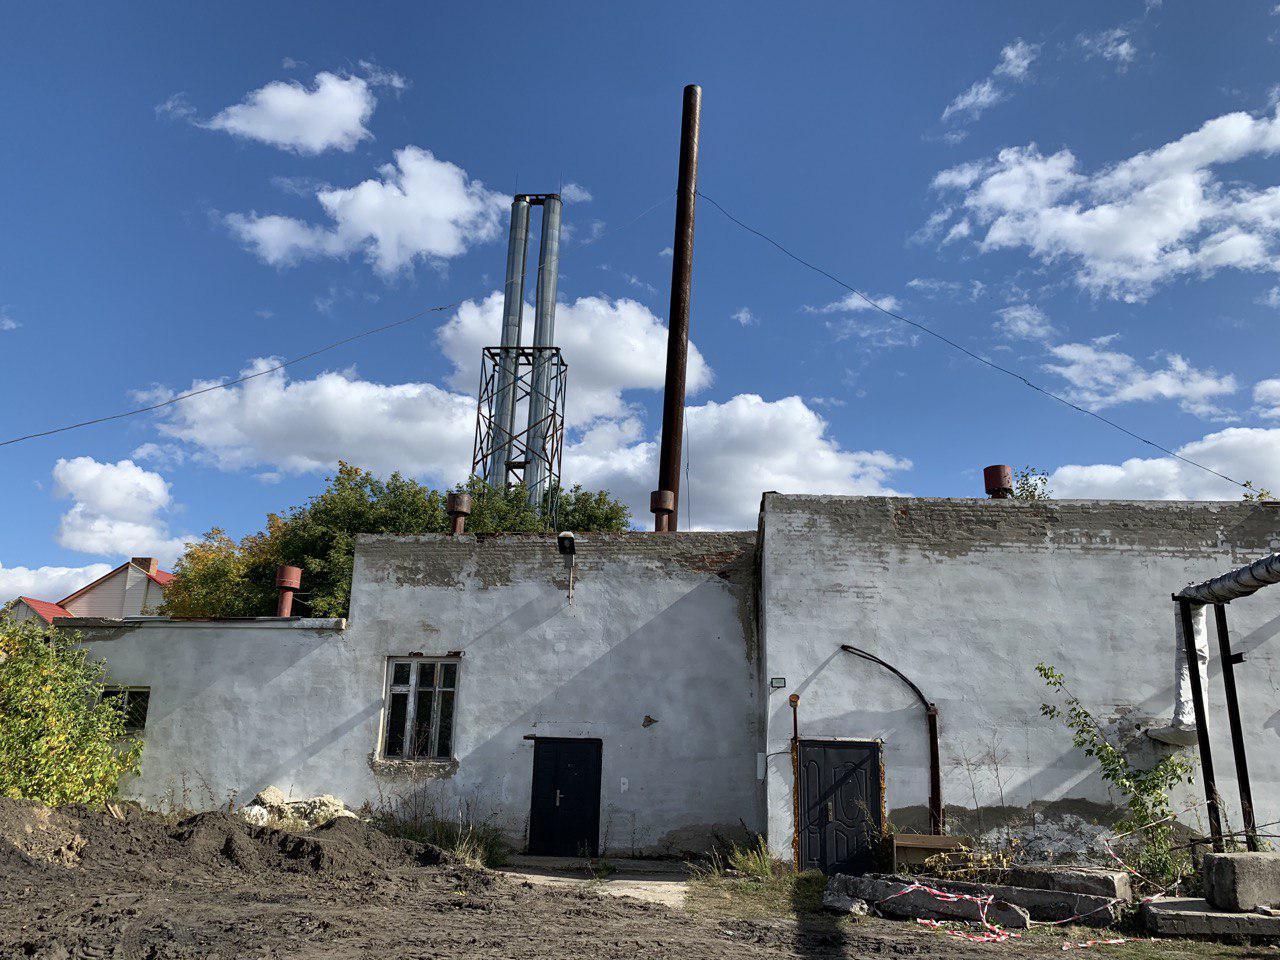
[1085, 193]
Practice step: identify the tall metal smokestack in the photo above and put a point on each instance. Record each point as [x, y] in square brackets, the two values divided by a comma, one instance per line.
[512, 321]
[544, 333]
[665, 501]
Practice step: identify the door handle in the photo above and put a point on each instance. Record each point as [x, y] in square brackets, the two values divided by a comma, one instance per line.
[557, 798]
[831, 811]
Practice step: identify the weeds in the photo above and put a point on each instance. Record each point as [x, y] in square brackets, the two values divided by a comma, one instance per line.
[452, 826]
[746, 880]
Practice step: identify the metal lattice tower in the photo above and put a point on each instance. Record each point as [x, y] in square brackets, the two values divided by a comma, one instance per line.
[531, 455]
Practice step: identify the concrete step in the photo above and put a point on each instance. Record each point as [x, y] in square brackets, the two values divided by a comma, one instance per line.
[1193, 917]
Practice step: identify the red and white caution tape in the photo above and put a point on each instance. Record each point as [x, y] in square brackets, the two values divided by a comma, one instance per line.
[1087, 944]
[993, 933]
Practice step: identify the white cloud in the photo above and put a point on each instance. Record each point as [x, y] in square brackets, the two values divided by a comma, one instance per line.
[1024, 321]
[745, 317]
[1266, 397]
[301, 426]
[1129, 227]
[853, 303]
[666, 252]
[1016, 59]
[275, 424]
[1101, 378]
[736, 450]
[331, 114]
[7, 322]
[575, 193]
[1271, 298]
[176, 107]
[117, 509]
[1015, 64]
[418, 209]
[1115, 45]
[1243, 453]
[610, 345]
[47, 583]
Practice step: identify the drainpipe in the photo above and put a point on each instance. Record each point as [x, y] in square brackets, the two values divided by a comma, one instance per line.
[458, 506]
[794, 700]
[937, 822]
[288, 579]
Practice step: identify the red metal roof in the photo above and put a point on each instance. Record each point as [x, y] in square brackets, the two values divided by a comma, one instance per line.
[46, 610]
[162, 577]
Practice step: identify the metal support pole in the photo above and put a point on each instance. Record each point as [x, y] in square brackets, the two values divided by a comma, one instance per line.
[678, 317]
[1202, 725]
[1229, 661]
[937, 819]
[794, 700]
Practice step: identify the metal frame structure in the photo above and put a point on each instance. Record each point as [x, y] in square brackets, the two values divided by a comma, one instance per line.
[532, 454]
[1218, 592]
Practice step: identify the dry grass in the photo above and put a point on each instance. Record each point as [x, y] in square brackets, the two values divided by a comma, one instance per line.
[746, 881]
[454, 828]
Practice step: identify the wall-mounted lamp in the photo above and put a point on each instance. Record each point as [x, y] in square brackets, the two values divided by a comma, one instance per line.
[568, 549]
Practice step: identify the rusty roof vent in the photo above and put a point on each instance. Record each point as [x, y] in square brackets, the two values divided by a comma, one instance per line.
[999, 481]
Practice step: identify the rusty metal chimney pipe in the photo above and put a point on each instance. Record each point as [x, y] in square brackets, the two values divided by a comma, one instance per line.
[458, 506]
[998, 480]
[678, 318]
[288, 579]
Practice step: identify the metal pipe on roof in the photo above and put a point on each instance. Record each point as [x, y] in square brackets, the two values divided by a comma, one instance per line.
[1238, 583]
[512, 321]
[544, 332]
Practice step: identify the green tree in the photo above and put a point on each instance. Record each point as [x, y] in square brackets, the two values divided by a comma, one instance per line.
[1254, 494]
[1030, 483]
[60, 741]
[218, 577]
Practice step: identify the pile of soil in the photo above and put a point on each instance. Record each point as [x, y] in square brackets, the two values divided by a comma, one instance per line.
[81, 882]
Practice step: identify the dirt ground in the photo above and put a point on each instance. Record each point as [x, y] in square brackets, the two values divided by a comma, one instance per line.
[81, 883]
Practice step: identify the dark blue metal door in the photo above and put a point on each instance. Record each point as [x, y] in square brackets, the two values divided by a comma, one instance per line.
[564, 813]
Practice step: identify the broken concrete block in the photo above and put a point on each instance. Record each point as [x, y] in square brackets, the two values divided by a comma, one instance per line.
[317, 810]
[1240, 882]
[1091, 881]
[889, 896]
[273, 799]
[256, 814]
[1193, 917]
[1046, 905]
[840, 903]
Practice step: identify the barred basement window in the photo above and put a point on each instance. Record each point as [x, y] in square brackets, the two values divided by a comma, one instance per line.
[420, 708]
[134, 701]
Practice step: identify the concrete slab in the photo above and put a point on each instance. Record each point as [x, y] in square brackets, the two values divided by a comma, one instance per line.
[1044, 905]
[886, 894]
[1090, 881]
[1241, 881]
[1193, 917]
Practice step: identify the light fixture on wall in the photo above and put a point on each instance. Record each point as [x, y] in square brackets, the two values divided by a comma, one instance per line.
[568, 549]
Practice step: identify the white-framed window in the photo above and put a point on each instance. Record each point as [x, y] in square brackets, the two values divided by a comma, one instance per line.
[420, 709]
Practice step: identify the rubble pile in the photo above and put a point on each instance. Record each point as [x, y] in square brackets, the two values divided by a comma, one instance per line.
[272, 805]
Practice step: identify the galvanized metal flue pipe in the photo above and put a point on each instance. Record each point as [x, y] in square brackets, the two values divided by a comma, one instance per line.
[544, 335]
[504, 418]
[1202, 725]
[666, 508]
[1238, 583]
[1229, 661]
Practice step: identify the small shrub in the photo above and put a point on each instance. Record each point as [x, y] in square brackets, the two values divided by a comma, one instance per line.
[1148, 827]
[60, 741]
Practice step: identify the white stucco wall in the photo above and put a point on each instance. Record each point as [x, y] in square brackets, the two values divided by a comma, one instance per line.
[659, 626]
[965, 597]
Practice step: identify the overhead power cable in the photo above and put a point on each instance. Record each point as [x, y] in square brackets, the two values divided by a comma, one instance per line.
[223, 385]
[231, 383]
[969, 353]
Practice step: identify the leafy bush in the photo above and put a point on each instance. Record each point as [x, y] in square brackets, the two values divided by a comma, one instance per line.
[60, 741]
[1148, 827]
[218, 577]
